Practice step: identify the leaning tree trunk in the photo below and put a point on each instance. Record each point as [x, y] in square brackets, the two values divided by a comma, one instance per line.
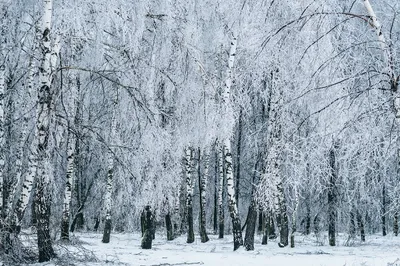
[189, 195]
[252, 213]
[202, 190]
[388, 55]
[251, 226]
[110, 174]
[332, 198]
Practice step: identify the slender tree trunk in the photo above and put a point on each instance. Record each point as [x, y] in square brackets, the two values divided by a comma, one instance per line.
[189, 195]
[284, 223]
[202, 190]
[238, 151]
[71, 105]
[383, 210]
[216, 176]
[352, 229]
[332, 198]
[221, 194]
[232, 204]
[308, 218]
[110, 175]
[294, 221]
[2, 140]
[68, 187]
[236, 225]
[396, 224]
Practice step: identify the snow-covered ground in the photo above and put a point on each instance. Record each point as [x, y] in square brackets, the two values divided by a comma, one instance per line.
[124, 249]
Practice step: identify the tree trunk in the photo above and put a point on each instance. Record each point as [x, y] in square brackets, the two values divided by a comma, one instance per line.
[388, 55]
[221, 194]
[2, 141]
[260, 221]
[238, 150]
[294, 222]
[202, 189]
[284, 223]
[332, 198]
[168, 224]
[43, 185]
[148, 228]
[352, 229]
[107, 223]
[236, 225]
[68, 187]
[189, 195]
[251, 226]
[396, 224]
[232, 204]
[265, 228]
[383, 210]
[216, 177]
[360, 224]
[110, 173]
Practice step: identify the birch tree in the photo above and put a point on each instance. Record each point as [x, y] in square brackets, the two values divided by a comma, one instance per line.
[110, 172]
[189, 193]
[202, 178]
[44, 178]
[71, 106]
[232, 204]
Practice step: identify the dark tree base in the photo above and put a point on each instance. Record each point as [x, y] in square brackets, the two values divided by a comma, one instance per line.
[65, 230]
[147, 220]
[250, 228]
[237, 234]
[168, 223]
[107, 231]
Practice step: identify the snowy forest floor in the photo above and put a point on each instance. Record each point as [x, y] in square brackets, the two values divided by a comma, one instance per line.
[124, 249]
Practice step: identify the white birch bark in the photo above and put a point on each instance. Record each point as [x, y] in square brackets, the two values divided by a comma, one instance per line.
[189, 193]
[233, 209]
[43, 193]
[21, 191]
[221, 215]
[71, 107]
[388, 54]
[27, 179]
[110, 173]
[202, 189]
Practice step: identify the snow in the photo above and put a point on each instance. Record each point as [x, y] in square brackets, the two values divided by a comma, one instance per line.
[124, 249]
